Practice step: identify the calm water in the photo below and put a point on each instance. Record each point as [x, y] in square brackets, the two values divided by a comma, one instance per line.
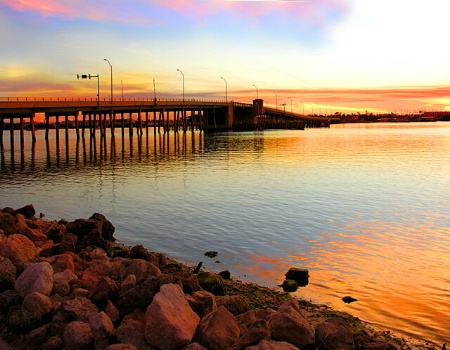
[366, 208]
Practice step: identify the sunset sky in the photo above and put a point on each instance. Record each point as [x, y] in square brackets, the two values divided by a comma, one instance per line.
[318, 55]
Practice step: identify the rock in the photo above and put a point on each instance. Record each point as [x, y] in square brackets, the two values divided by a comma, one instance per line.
[202, 302]
[272, 345]
[218, 330]
[78, 336]
[21, 321]
[19, 249]
[7, 222]
[211, 254]
[335, 334]
[8, 299]
[348, 299]
[36, 277]
[37, 303]
[129, 282]
[236, 304]
[107, 227]
[53, 230]
[139, 252]
[258, 331]
[211, 282]
[81, 227]
[301, 276]
[27, 211]
[112, 312]
[132, 332]
[226, 275]
[53, 343]
[121, 347]
[142, 269]
[68, 243]
[102, 329]
[61, 262]
[194, 346]
[170, 321]
[98, 254]
[289, 325]
[64, 276]
[251, 316]
[7, 274]
[289, 286]
[78, 309]
[93, 238]
[104, 290]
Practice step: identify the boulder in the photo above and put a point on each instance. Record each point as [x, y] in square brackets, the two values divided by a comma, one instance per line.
[19, 249]
[170, 321]
[7, 274]
[202, 302]
[98, 254]
[121, 347]
[68, 243]
[78, 309]
[8, 299]
[61, 262]
[131, 332]
[289, 325]
[37, 303]
[64, 276]
[36, 277]
[194, 346]
[78, 336]
[211, 282]
[236, 304]
[81, 227]
[251, 316]
[107, 227]
[7, 223]
[104, 290]
[53, 343]
[301, 276]
[102, 329]
[272, 345]
[112, 312]
[27, 211]
[258, 331]
[289, 286]
[142, 269]
[218, 330]
[335, 334]
[21, 321]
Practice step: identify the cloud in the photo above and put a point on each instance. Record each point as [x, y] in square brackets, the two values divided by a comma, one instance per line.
[150, 11]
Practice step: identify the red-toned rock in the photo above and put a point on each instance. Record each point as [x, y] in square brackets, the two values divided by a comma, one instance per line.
[218, 330]
[272, 345]
[131, 332]
[258, 331]
[289, 324]
[102, 329]
[236, 304]
[104, 290]
[36, 277]
[78, 309]
[112, 312]
[142, 269]
[202, 302]
[68, 243]
[19, 249]
[251, 316]
[78, 336]
[64, 276]
[107, 227]
[27, 211]
[170, 321]
[37, 303]
[7, 274]
[335, 334]
[61, 262]
[98, 254]
[7, 222]
[194, 346]
[81, 227]
[121, 347]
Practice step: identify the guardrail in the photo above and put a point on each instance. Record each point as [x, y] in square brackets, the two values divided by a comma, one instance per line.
[90, 99]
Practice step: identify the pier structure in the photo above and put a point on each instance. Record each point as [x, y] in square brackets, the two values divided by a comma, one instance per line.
[90, 115]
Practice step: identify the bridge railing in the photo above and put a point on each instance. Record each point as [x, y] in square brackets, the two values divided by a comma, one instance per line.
[92, 99]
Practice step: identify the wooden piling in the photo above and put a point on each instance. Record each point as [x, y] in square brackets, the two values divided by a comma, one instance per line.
[2, 126]
[22, 135]
[11, 127]
[33, 129]
[77, 127]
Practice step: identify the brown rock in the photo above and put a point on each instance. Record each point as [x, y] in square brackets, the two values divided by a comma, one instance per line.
[81, 227]
[170, 321]
[142, 269]
[7, 223]
[78, 309]
[37, 303]
[112, 312]
[7, 274]
[258, 331]
[335, 334]
[21, 321]
[19, 249]
[121, 347]
[132, 332]
[104, 290]
[107, 227]
[102, 328]
[202, 302]
[272, 345]
[78, 336]
[36, 277]
[218, 330]
[61, 262]
[289, 325]
[64, 276]
[251, 316]
[68, 243]
[236, 304]
[194, 346]
[27, 211]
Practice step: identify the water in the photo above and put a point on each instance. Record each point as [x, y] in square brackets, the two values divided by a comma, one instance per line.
[364, 207]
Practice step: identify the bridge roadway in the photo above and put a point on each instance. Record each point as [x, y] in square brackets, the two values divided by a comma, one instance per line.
[167, 113]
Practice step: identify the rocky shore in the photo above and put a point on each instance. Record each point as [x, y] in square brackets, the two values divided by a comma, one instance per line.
[70, 285]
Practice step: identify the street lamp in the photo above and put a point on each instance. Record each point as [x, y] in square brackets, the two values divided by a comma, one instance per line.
[179, 70]
[226, 89]
[110, 66]
[89, 76]
[291, 103]
[276, 100]
[256, 91]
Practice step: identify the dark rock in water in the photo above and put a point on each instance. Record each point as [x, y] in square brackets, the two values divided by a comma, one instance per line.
[301, 276]
[81, 227]
[107, 227]
[226, 275]
[348, 299]
[211, 282]
[211, 254]
[27, 211]
[289, 285]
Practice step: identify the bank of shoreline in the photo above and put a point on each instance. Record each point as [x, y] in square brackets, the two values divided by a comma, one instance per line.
[89, 244]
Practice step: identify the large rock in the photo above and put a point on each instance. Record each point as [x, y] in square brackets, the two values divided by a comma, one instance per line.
[102, 329]
[27, 211]
[7, 274]
[272, 345]
[170, 321]
[202, 302]
[301, 276]
[219, 330]
[78, 309]
[81, 227]
[107, 227]
[37, 303]
[251, 316]
[35, 278]
[104, 290]
[61, 262]
[211, 282]
[7, 223]
[236, 304]
[290, 325]
[258, 331]
[335, 334]
[19, 249]
[121, 347]
[78, 336]
[131, 332]
[142, 269]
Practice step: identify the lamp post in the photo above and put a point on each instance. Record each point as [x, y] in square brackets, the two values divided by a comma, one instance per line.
[291, 103]
[276, 100]
[110, 66]
[226, 89]
[256, 91]
[89, 76]
[179, 70]
[121, 82]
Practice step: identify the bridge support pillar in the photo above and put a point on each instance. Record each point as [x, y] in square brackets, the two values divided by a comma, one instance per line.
[33, 129]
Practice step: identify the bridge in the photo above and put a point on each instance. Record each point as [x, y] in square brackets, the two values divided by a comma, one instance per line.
[165, 114]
